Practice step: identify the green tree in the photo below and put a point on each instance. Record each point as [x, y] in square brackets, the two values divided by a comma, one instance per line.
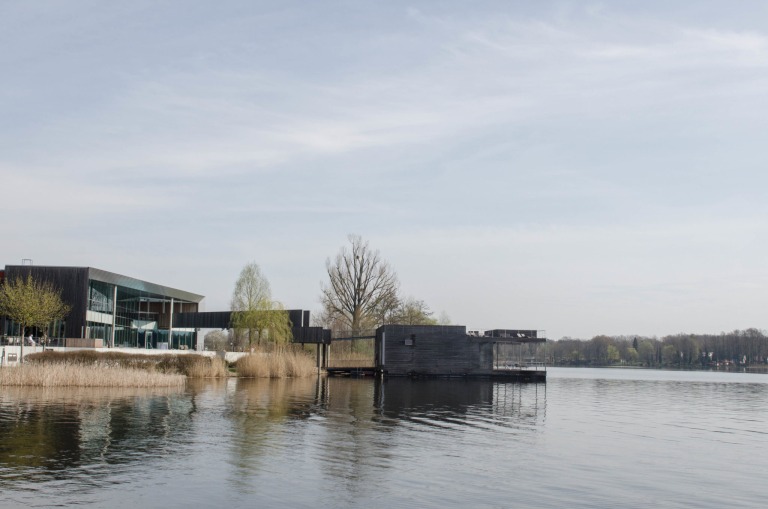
[632, 355]
[612, 354]
[31, 303]
[575, 356]
[670, 355]
[51, 308]
[413, 312]
[646, 352]
[598, 349]
[254, 314]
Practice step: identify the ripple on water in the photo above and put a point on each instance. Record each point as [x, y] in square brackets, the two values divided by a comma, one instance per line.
[590, 438]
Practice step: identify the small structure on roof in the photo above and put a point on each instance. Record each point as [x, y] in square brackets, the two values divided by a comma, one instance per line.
[450, 351]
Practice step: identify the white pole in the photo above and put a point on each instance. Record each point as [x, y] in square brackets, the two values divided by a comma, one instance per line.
[170, 327]
[114, 318]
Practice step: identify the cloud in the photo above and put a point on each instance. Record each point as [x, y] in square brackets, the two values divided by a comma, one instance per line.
[751, 43]
[542, 159]
[544, 277]
[189, 120]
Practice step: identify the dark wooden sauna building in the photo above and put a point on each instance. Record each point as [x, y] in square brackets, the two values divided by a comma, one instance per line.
[450, 351]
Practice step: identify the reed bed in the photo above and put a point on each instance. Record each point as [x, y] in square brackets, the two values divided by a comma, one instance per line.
[190, 365]
[79, 375]
[83, 396]
[346, 359]
[206, 367]
[280, 363]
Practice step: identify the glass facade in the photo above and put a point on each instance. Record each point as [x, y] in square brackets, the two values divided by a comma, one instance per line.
[140, 319]
[11, 329]
[100, 296]
[121, 311]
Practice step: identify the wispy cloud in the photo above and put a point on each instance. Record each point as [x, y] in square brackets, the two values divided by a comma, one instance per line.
[566, 149]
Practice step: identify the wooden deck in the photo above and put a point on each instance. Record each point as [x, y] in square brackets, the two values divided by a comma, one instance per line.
[352, 371]
[520, 375]
[502, 375]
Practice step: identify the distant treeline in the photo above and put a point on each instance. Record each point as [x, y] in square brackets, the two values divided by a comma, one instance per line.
[738, 348]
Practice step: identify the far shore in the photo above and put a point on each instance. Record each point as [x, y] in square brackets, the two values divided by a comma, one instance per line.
[758, 368]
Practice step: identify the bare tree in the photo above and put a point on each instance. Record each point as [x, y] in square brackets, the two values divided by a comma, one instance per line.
[388, 310]
[361, 286]
[444, 318]
[217, 340]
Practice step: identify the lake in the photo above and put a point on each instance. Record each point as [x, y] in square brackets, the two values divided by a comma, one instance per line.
[591, 438]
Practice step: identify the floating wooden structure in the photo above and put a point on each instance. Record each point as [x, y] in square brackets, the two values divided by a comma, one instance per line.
[449, 351]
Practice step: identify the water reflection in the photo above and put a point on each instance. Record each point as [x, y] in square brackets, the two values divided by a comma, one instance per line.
[47, 434]
[349, 449]
[606, 438]
[442, 403]
[344, 430]
[258, 412]
[246, 437]
[374, 433]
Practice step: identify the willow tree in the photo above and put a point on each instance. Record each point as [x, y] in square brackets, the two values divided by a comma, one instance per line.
[31, 303]
[254, 313]
[361, 286]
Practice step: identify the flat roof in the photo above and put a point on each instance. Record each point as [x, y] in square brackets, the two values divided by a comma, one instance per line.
[118, 279]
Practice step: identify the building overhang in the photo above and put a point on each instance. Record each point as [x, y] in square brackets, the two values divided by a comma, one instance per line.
[143, 286]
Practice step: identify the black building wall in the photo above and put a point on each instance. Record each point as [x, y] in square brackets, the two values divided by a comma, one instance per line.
[302, 332]
[73, 283]
[432, 350]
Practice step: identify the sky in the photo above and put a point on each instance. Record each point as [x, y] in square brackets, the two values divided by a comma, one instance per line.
[577, 167]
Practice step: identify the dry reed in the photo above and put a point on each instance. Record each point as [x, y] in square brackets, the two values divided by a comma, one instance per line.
[280, 363]
[345, 359]
[204, 367]
[77, 395]
[75, 375]
[190, 365]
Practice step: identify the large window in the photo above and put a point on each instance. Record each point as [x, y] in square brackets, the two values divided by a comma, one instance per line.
[100, 297]
[140, 321]
[99, 331]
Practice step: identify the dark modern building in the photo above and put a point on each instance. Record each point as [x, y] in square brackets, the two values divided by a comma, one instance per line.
[448, 350]
[112, 310]
[119, 310]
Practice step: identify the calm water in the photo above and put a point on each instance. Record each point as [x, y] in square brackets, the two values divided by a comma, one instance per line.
[588, 438]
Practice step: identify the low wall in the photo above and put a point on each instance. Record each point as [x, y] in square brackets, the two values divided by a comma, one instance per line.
[8, 352]
[83, 343]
